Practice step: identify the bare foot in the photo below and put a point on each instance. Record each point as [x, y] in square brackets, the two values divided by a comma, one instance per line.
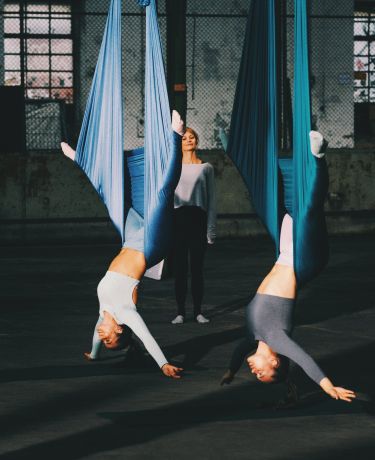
[316, 144]
[177, 123]
[68, 151]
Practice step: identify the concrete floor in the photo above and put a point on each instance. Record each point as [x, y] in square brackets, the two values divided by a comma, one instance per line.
[56, 405]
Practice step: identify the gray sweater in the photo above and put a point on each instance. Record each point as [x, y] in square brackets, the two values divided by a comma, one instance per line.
[269, 319]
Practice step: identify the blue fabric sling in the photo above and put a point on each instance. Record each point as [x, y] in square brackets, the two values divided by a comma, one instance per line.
[310, 173]
[100, 144]
[253, 145]
[147, 179]
[163, 154]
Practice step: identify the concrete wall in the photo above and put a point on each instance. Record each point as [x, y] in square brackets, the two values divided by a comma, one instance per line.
[46, 197]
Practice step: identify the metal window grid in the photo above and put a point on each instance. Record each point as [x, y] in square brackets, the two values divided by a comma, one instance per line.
[49, 89]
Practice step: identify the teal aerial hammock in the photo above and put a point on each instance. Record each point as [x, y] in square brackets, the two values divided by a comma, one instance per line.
[253, 141]
[146, 178]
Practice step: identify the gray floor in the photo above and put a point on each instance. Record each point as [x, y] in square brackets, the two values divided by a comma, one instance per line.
[55, 405]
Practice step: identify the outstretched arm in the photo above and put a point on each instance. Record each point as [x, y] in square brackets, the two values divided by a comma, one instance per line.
[96, 344]
[281, 343]
[134, 320]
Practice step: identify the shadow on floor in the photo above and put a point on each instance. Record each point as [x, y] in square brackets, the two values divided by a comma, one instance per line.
[236, 403]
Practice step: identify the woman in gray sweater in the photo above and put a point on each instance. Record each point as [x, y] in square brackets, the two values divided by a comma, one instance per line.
[270, 323]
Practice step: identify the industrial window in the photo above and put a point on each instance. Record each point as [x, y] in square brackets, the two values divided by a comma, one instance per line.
[364, 52]
[38, 48]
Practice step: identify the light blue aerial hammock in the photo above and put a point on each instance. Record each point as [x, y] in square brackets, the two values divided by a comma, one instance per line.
[145, 178]
[296, 185]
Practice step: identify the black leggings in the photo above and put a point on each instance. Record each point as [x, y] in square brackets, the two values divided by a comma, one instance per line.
[190, 239]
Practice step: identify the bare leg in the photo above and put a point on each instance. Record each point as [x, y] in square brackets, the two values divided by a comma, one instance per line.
[68, 151]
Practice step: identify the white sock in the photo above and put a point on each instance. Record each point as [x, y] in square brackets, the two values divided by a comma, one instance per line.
[316, 144]
[178, 320]
[201, 319]
[177, 123]
[68, 151]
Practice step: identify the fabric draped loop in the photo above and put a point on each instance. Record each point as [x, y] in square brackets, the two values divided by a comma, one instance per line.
[100, 144]
[148, 177]
[253, 141]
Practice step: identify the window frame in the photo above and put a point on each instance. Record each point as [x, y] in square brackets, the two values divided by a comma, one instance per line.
[23, 36]
[368, 11]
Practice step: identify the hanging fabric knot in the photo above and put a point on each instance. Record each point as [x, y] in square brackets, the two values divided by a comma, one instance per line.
[144, 3]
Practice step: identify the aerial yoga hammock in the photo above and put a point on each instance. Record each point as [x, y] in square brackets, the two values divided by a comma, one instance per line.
[287, 194]
[138, 191]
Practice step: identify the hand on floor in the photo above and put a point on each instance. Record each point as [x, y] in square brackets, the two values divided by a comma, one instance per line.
[171, 371]
[227, 378]
[341, 393]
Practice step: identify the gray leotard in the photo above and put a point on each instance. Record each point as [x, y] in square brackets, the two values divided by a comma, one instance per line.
[269, 319]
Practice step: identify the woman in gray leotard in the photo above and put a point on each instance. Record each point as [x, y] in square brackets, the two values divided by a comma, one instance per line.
[269, 320]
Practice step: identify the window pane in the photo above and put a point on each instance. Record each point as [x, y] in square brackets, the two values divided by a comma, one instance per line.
[61, 46]
[61, 8]
[372, 63]
[62, 79]
[12, 79]
[10, 7]
[37, 26]
[35, 62]
[66, 94]
[361, 47]
[360, 64]
[11, 25]
[12, 45]
[37, 8]
[62, 63]
[360, 79]
[360, 95]
[372, 79]
[37, 79]
[61, 26]
[61, 11]
[37, 93]
[12, 63]
[37, 46]
[360, 28]
[372, 94]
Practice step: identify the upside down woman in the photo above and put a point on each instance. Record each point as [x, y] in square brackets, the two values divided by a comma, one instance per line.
[269, 316]
[117, 291]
